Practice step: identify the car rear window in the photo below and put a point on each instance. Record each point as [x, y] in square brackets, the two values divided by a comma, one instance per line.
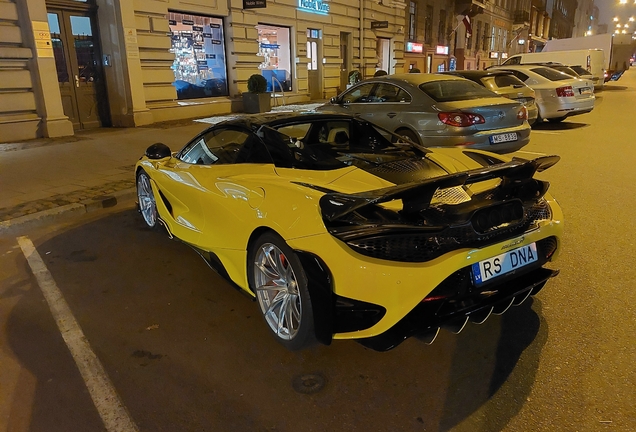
[455, 90]
[507, 81]
[551, 74]
[580, 70]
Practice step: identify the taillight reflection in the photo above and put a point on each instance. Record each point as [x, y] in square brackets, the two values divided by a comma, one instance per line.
[460, 119]
[565, 91]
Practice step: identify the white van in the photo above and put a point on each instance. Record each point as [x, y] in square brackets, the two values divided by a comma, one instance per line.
[591, 59]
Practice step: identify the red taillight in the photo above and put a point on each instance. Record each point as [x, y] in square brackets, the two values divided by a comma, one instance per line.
[523, 113]
[565, 91]
[460, 119]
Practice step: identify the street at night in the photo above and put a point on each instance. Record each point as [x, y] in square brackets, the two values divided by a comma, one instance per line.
[186, 351]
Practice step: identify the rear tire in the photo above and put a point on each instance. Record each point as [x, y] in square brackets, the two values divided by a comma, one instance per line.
[279, 281]
[408, 134]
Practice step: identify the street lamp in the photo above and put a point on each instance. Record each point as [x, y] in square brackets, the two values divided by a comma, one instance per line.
[616, 18]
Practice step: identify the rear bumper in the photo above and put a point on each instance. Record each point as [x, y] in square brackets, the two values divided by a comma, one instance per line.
[428, 317]
[480, 140]
[556, 108]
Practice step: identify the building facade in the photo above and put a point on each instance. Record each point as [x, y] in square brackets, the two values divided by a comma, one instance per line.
[67, 65]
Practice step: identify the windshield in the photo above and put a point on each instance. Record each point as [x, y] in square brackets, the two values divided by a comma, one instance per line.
[455, 90]
[335, 143]
[551, 74]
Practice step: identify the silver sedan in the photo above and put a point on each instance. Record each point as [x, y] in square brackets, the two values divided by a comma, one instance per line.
[438, 111]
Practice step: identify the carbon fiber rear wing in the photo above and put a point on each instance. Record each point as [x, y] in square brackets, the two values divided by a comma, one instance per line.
[417, 196]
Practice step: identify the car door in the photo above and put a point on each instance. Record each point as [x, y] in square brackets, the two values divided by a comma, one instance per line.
[388, 106]
[354, 101]
[205, 188]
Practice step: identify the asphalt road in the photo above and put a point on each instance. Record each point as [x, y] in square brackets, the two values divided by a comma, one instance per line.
[186, 352]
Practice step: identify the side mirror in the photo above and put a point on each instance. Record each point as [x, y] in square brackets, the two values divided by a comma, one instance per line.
[158, 151]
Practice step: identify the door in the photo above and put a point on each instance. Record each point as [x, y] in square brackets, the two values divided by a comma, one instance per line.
[345, 57]
[79, 67]
[314, 66]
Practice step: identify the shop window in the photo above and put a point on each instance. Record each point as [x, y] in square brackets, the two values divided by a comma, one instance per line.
[199, 65]
[274, 45]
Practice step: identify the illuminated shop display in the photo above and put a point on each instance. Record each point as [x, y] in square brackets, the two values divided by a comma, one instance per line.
[199, 56]
[275, 48]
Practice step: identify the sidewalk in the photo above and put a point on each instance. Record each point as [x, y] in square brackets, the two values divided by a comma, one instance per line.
[44, 179]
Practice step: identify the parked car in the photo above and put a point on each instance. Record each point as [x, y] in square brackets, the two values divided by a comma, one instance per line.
[558, 95]
[574, 71]
[505, 84]
[437, 111]
[338, 233]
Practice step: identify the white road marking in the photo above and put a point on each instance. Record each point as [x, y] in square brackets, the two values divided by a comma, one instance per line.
[110, 408]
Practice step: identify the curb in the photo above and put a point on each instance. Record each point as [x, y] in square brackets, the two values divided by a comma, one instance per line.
[33, 220]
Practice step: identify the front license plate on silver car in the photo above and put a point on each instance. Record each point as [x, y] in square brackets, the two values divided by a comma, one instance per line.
[502, 138]
[504, 263]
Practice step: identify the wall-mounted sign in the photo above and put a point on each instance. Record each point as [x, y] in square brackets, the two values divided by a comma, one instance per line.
[414, 47]
[379, 24]
[493, 55]
[504, 55]
[254, 4]
[441, 49]
[313, 6]
[270, 46]
[187, 22]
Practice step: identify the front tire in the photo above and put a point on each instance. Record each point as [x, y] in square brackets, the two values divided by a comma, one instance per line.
[146, 200]
[280, 284]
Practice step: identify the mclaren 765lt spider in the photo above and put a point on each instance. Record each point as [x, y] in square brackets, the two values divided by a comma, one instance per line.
[341, 230]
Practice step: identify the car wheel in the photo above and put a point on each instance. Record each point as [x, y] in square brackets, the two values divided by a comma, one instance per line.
[146, 199]
[280, 284]
[556, 120]
[408, 134]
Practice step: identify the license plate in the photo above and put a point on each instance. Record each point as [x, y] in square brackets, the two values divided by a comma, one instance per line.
[501, 138]
[505, 263]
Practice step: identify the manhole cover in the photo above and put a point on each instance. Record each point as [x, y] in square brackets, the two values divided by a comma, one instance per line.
[309, 383]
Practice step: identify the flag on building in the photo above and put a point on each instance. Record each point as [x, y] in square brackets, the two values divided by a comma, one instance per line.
[469, 28]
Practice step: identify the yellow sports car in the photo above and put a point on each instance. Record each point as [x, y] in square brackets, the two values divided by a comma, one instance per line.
[341, 230]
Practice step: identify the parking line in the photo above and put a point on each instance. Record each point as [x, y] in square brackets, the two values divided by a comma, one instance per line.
[110, 408]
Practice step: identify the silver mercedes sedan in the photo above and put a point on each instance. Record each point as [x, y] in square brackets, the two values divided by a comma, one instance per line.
[437, 111]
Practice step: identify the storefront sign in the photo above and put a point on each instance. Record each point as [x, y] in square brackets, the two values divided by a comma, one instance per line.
[379, 24]
[414, 47]
[254, 4]
[187, 22]
[172, 22]
[270, 46]
[216, 42]
[441, 49]
[207, 35]
[197, 28]
[493, 55]
[313, 6]
[210, 56]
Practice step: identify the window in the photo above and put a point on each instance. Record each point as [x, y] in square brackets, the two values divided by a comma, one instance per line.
[478, 36]
[507, 81]
[390, 93]
[551, 74]
[275, 48]
[428, 25]
[441, 31]
[523, 77]
[358, 94]
[455, 90]
[198, 46]
[412, 20]
[485, 44]
[224, 146]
